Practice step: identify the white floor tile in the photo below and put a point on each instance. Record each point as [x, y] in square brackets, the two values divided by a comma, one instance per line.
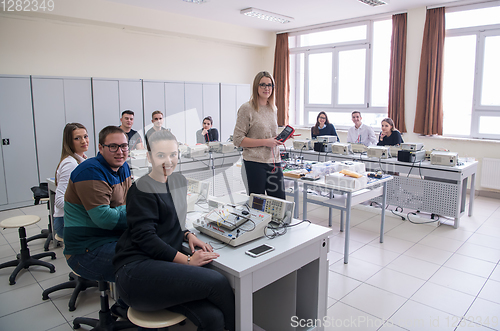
[495, 275]
[356, 269]
[395, 282]
[479, 252]
[362, 236]
[375, 255]
[415, 316]
[443, 298]
[458, 280]
[485, 240]
[439, 242]
[491, 291]
[484, 312]
[340, 285]
[43, 316]
[345, 317]
[450, 232]
[487, 230]
[414, 267]
[392, 244]
[367, 298]
[337, 244]
[22, 298]
[429, 254]
[470, 265]
[410, 232]
[465, 324]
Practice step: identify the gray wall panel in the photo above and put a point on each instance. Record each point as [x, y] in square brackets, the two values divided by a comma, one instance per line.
[131, 98]
[106, 105]
[228, 110]
[175, 110]
[211, 104]
[194, 110]
[154, 99]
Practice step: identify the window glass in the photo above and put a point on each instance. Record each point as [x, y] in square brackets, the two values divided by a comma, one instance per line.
[334, 36]
[489, 124]
[490, 89]
[320, 78]
[475, 17]
[458, 86]
[381, 61]
[351, 81]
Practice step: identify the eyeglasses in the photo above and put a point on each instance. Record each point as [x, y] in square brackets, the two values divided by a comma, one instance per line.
[113, 148]
[322, 118]
[266, 85]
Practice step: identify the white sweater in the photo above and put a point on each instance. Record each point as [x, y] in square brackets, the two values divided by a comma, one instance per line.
[63, 173]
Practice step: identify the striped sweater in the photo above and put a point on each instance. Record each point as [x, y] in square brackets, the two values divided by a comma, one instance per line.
[94, 207]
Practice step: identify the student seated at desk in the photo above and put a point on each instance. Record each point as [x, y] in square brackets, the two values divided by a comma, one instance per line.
[323, 127]
[151, 272]
[207, 133]
[389, 136]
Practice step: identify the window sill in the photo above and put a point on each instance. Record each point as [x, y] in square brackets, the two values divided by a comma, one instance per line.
[482, 140]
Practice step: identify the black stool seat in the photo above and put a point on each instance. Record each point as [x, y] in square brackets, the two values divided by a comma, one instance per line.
[24, 259]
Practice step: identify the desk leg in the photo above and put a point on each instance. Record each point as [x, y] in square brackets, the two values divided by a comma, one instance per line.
[382, 215]
[341, 221]
[296, 199]
[347, 227]
[244, 303]
[304, 202]
[472, 193]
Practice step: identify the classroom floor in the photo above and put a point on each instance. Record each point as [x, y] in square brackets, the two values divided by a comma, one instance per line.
[422, 277]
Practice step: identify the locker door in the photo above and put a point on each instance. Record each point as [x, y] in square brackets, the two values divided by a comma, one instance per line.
[211, 104]
[154, 99]
[131, 98]
[78, 106]
[48, 107]
[228, 110]
[16, 124]
[3, 187]
[106, 106]
[194, 110]
[174, 112]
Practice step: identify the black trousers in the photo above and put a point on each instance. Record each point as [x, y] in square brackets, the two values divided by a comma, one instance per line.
[263, 178]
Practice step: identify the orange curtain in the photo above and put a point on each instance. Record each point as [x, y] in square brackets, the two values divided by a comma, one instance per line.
[281, 77]
[397, 72]
[429, 112]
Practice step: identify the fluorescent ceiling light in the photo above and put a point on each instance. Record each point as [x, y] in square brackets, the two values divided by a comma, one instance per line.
[196, 1]
[265, 15]
[375, 3]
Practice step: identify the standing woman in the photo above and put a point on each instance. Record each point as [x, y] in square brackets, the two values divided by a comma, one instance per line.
[152, 272]
[75, 144]
[389, 136]
[256, 130]
[323, 127]
[207, 133]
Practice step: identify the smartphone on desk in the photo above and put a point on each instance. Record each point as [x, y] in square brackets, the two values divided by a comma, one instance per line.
[260, 250]
[285, 134]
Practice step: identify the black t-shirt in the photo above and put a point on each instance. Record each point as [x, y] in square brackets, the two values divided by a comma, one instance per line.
[134, 139]
[393, 140]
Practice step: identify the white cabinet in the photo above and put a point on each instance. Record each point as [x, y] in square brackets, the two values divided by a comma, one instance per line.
[232, 96]
[18, 152]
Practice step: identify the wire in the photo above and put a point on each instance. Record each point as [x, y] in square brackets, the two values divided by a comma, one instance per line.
[413, 222]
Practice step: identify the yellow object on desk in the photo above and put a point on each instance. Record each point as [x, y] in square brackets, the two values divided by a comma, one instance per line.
[295, 173]
[350, 173]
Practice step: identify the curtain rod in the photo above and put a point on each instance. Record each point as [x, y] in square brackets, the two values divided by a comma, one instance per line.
[463, 3]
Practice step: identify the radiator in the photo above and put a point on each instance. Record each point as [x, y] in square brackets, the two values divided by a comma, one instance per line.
[490, 173]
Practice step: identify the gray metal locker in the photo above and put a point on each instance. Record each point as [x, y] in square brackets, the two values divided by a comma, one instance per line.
[131, 98]
[20, 170]
[211, 104]
[174, 112]
[50, 119]
[194, 110]
[154, 99]
[106, 105]
[227, 110]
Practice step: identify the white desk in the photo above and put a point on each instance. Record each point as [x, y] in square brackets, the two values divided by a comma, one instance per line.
[436, 189]
[343, 199]
[290, 281]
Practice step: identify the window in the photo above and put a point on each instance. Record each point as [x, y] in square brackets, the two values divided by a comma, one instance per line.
[471, 102]
[338, 70]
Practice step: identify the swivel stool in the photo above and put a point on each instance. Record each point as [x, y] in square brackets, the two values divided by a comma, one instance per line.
[154, 319]
[24, 259]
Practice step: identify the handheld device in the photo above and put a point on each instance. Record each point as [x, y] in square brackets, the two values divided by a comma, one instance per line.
[260, 250]
[281, 210]
[285, 134]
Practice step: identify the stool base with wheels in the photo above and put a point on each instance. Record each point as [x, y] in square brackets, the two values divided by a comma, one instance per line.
[24, 259]
[106, 322]
[154, 319]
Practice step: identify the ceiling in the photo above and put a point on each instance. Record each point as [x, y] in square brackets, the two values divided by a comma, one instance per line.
[305, 12]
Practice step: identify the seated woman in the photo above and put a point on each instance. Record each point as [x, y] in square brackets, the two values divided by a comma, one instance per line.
[207, 133]
[75, 144]
[151, 271]
[389, 136]
[323, 127]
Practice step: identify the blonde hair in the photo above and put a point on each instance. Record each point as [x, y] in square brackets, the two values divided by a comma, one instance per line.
[68, 144]
[255, 91]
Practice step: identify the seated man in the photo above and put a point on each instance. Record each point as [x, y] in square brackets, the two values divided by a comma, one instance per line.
[157, 120]
[134, 138]
[94, 207]
[360, 133]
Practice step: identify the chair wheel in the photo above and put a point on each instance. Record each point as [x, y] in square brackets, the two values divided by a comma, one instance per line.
[53, 257]
[45, 297]
[76, 326]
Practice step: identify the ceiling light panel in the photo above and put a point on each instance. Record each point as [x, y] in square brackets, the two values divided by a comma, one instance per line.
[375, 3]
[265, 15]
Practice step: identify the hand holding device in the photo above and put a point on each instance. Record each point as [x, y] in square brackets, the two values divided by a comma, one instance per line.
[285, 134]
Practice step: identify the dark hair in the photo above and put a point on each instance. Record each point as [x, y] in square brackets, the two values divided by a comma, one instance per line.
[158, 136]
[128, 112]
[356, 112]
[109, 130]
[68, 145]
[390, 122]
[208, 118]
[316, 126]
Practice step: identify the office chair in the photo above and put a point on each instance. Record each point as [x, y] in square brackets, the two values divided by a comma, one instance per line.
[41, 193]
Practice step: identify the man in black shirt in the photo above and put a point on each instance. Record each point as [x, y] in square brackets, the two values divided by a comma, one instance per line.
[134, 139]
